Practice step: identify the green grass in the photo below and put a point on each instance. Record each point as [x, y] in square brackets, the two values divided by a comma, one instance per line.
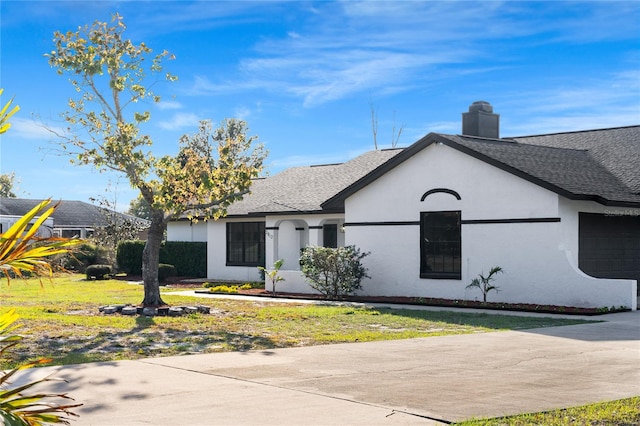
[60, 319]
[623, 412]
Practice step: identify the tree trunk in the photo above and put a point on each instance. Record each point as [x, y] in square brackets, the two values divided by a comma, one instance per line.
[151, 260]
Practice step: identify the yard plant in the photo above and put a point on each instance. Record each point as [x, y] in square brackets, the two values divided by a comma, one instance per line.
[273, 274]
[334, 272]
[22, 251]
[485, 283]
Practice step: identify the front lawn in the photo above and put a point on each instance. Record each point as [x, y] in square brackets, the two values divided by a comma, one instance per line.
[61, 320]
[622, 412]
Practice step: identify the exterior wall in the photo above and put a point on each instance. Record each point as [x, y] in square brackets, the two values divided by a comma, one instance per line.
[539, 259]
[187, 231]
[217, 268]
[286, 236]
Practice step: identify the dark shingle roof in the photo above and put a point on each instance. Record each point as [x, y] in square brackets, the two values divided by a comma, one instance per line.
[599, 165]
[617, 150]
[75, 214]
[304, 189]
[573, 173]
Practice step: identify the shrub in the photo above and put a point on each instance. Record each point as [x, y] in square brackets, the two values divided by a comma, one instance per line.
[165, 271]
[99, 272]
[334, 272]
[224, 289]
[129, 257]
[189, 258]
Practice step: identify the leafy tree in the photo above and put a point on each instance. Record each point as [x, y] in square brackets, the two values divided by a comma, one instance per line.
[334, 272]
[138, 207]
[484, 283]
[110, 75]
[7, 182]
[115, 228]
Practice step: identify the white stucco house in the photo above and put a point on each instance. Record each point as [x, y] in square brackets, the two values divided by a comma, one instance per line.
[560, 213]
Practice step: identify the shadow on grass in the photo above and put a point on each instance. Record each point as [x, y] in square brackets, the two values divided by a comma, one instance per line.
[485, 320]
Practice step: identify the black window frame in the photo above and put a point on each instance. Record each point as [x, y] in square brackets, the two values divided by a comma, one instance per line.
[330, 235]
[251, 239]
[436, 238]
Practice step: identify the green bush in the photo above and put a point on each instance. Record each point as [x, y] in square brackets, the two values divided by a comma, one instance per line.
[189, 258]
[129, 256]
[82, 256]
[334, 272]
[165, 271]
[99, 272]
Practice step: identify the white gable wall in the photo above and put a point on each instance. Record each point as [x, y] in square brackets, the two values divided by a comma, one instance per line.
[536, 257]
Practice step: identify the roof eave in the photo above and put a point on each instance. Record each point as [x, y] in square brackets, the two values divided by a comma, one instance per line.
[337, 201]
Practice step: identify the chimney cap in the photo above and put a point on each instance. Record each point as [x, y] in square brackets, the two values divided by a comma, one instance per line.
[483, 106]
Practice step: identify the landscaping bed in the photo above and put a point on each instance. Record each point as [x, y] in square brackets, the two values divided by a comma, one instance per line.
[424, 301]
[427, 301]
[186, 283]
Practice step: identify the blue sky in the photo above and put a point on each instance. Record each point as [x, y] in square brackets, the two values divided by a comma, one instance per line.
[305, 75]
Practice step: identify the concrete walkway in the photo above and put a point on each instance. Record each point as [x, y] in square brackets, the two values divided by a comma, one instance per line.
[426, 381]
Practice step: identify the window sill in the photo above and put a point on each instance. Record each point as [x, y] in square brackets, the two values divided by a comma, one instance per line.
[440, 276]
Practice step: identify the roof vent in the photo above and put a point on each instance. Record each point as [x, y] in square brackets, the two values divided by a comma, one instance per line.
[481, 121]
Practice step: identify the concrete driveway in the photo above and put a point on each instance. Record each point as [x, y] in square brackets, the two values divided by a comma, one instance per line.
[434, 380]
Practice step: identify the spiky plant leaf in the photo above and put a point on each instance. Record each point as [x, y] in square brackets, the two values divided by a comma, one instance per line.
[22, 250]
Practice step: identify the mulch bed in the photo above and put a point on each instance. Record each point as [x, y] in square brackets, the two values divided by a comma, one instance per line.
[179, 282]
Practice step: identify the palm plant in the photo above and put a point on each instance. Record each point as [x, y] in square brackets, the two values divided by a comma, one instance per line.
[485, 283]
[22, 250]
[273, 274]
[17, 407]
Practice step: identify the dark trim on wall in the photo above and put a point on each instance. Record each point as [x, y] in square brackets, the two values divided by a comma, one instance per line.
[315, 227]
[271, 228]
[299, 229]
[442, 190]
[394, 223]
[463, 222]
[498, 221]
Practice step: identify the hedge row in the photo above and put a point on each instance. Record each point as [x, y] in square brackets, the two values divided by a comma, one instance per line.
[189, 258]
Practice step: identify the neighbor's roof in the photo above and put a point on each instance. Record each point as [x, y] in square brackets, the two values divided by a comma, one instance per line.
[597, 165]
[69, 214]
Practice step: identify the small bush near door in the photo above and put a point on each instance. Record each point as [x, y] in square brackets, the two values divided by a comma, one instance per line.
[334, 272]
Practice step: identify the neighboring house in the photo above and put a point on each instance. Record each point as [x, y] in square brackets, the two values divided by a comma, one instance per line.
[71, 218]
[560, 213]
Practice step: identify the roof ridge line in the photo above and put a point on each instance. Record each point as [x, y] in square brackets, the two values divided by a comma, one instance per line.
[573, 132]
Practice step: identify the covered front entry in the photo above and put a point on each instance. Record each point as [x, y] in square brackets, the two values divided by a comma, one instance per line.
[609, 246]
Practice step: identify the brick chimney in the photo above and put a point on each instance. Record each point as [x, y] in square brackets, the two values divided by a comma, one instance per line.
[481, 121]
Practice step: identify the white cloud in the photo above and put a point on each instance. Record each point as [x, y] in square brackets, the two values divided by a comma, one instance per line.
[30, 129]
[242, 112]
[181, 120]
[168, 105]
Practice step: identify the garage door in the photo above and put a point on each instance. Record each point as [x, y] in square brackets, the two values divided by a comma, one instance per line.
[609, 246]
